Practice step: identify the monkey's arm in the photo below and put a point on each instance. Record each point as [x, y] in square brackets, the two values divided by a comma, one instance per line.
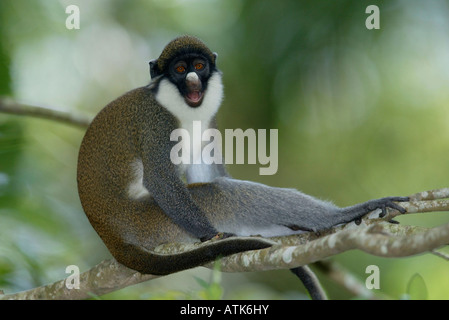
[161, 179]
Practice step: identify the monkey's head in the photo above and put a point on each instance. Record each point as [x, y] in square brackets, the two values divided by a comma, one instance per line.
[188, 64]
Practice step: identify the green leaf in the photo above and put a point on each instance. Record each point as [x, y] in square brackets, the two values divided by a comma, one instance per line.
[204, 284]
[416, 288]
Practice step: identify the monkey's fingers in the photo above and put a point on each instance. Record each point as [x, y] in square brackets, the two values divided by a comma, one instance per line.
[224, 235]
[390, 203]
[218, 236]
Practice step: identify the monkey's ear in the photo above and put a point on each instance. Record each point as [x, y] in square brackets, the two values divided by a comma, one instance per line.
[153, 69]
[215, 56]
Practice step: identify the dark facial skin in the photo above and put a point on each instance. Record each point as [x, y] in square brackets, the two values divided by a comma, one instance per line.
[181, 72]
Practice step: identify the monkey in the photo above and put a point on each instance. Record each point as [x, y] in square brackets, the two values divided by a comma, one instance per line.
[136, 198]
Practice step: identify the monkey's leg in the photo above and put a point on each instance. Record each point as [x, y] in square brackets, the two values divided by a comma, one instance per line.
[310, 281]
[247, 208]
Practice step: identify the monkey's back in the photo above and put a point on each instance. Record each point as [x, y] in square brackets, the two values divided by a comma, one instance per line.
[105, 169]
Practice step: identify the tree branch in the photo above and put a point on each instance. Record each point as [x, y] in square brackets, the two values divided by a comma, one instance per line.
[105, 277]
[12, 107]
[378, 239]
[374, 235]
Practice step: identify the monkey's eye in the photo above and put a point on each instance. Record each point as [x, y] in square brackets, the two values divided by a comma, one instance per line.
[180, 69]
[199, 66]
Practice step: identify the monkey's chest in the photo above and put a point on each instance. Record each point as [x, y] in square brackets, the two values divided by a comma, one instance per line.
[195, 152]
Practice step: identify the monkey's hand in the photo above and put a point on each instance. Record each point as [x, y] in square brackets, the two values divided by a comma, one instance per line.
[218, 236]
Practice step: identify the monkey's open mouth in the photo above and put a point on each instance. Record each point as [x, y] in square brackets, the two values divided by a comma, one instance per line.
[194, 98]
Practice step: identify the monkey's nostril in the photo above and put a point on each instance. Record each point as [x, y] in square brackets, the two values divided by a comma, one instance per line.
[194, 86]
[193, 83]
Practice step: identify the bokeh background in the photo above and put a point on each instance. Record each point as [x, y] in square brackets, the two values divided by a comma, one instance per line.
[361, 114]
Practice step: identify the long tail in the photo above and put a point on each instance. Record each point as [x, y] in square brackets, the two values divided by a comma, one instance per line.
[310, 281]
[150, 262]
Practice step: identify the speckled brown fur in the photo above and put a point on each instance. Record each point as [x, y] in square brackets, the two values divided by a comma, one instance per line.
[180, 45]
[136, 126]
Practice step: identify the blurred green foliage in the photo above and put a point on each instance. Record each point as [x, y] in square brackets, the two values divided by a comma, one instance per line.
[361, 114]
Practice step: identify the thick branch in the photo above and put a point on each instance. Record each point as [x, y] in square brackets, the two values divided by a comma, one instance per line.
[372, 236]
[12, 107]
[105, 277]
[377, 239]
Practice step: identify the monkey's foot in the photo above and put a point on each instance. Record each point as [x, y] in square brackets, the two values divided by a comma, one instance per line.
[382, 204]
[385, 203]
[359, 210]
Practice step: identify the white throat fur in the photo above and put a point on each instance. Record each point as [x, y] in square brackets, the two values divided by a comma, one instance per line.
[169, 97]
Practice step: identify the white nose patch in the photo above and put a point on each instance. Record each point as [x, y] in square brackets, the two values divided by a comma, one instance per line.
[192, 76]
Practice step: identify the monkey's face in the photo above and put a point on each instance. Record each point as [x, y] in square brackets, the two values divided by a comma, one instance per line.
[190, 73]
[186, 81]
